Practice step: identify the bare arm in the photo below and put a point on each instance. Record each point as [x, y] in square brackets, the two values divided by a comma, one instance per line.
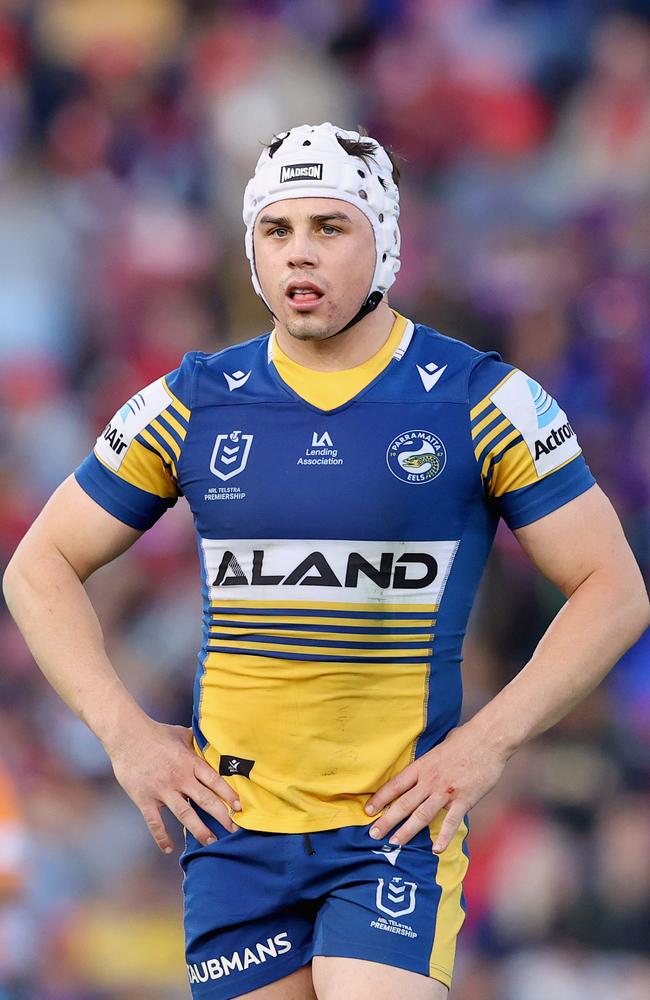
[582, 549]
[43, 587]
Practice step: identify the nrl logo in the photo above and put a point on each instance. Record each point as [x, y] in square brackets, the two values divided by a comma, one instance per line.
[230, 454]
[397, 898]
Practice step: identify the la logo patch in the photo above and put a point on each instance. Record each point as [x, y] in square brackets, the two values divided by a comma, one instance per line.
[230, 454]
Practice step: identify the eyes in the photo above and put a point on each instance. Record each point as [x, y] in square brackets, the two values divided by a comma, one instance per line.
[281, 232]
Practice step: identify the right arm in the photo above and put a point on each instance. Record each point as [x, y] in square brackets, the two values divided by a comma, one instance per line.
[44, 590]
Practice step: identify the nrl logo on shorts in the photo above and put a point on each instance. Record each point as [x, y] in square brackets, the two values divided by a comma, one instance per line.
[397, 898]
[230, 454]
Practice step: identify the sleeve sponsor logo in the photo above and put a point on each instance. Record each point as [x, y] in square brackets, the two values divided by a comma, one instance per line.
[542, 423]
[306, 569]
[132, 418]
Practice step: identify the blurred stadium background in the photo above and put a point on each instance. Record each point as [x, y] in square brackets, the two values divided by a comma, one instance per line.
[127, 131]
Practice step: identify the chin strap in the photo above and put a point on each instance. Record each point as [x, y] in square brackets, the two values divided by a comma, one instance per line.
[368, 306]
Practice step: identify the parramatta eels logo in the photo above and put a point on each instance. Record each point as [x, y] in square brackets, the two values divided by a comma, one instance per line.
[416, 456]
[230, 454]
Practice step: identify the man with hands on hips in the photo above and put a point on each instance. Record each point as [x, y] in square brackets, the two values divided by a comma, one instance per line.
[346, 473]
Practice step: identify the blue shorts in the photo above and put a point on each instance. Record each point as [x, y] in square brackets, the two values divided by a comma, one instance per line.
[258, 906]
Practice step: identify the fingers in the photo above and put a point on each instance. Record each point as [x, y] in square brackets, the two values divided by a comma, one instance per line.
[210, 803]
[157, 828]
[453, 819]
[397, 811]
[421, 817]
[209, 777]
[391, 790]
[186, 815]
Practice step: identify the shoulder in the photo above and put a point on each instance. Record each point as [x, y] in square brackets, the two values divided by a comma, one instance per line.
[471, 371]
[218, 375]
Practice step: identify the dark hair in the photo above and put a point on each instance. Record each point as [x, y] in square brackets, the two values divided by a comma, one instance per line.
[363, 147]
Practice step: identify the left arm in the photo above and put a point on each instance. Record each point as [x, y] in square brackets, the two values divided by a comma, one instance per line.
[580, 548]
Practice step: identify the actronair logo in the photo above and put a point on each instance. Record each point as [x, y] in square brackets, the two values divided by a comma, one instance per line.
[239, 961]
[301, 172]
[544, 427]
[132, 418]
[314, 570]
[115, 439]
[557, 437]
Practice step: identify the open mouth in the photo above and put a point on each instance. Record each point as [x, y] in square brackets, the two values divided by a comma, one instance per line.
[304, 296]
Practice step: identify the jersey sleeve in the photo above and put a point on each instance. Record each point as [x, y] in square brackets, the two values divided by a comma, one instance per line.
[527, 452]
[132, 471]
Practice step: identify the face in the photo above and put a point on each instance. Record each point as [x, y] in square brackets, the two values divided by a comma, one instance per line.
[315, 258]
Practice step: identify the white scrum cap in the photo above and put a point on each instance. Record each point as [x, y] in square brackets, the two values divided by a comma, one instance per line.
[309, 162]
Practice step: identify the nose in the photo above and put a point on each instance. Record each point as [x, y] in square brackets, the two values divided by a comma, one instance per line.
[302, 251]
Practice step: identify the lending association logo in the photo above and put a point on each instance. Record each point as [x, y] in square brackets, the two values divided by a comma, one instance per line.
[416, 456]
[321, 452]
[230, 454]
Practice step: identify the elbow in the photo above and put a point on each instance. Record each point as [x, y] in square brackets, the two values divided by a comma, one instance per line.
[644, 612]
[10, 579]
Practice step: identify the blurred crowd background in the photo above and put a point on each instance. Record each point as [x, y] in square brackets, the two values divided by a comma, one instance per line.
[127, 131]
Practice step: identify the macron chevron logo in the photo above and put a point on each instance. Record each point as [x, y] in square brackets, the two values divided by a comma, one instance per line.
[237, 379]
[430, 374]
[390, 852]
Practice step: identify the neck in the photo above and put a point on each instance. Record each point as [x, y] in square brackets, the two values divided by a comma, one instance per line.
[342, 350]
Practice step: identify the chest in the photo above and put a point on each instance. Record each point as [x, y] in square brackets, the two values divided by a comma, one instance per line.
[372, 470]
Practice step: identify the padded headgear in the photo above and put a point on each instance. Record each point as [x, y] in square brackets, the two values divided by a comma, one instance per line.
[309, 162]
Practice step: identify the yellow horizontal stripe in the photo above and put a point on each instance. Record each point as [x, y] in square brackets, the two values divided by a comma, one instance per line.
[180, 430]
[164, 433]
[176, 403]
[474, 412]
[334, 636]
[325, 650]
[538, 479]
[308, 620]
[485, 421]
[514, 470]
[501, 426]
[502, 444]
[142, 469]
[156, 445]
[323, 605]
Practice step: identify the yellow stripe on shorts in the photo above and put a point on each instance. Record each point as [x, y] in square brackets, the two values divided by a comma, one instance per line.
[452, 867]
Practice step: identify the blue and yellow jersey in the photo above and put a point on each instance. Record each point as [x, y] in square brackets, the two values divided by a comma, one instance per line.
[343, 521]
